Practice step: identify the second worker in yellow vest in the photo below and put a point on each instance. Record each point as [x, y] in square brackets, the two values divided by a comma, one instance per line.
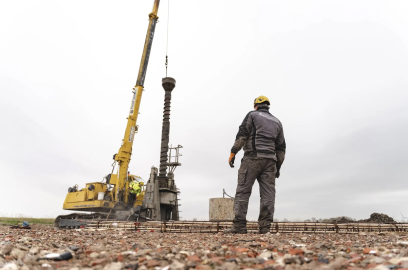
[135, 190]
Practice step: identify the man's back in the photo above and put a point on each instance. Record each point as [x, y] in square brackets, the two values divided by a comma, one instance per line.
[260, 134]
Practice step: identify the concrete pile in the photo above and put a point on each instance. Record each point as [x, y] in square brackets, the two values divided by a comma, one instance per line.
[120, 249]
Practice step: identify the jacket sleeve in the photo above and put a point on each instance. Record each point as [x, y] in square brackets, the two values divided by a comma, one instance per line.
[280, 147]
[245, 130]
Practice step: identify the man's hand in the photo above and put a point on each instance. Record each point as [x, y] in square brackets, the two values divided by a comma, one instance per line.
[280, 156]
[231, 160]
[278, 166]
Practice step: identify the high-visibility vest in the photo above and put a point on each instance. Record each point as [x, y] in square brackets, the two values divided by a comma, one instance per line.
[135, 188]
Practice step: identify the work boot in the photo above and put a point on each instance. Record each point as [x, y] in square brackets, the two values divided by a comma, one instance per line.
[236, 230]
[264, 230]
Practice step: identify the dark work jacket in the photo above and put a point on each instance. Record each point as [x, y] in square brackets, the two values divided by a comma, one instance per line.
[261, 136]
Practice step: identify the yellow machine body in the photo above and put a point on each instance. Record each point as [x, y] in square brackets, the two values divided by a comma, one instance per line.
[87, 200]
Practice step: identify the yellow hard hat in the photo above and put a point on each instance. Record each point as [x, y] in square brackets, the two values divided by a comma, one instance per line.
[261, 99]
[141, 183]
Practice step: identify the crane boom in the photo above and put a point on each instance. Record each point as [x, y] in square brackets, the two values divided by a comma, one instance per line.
[124, 154]
[113, 193]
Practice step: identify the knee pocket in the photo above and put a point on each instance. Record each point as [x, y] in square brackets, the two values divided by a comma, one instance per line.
[242, 176]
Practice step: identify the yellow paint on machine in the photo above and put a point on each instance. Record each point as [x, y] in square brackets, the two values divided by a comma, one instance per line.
[84, 199]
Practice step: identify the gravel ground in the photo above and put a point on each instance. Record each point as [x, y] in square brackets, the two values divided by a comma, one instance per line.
[119, 249]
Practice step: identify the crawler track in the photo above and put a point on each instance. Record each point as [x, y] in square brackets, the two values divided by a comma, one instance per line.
[76, 220]
[82, 220]
[215, 227]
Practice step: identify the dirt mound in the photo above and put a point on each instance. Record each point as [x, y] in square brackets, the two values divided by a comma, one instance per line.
[374, 218]
[378, 218]
[338, 220]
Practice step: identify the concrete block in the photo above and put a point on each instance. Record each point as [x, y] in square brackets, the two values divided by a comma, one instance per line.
[221, 209]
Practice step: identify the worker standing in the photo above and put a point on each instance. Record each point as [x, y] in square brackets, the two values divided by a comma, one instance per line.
[135, 190]
[261, 136]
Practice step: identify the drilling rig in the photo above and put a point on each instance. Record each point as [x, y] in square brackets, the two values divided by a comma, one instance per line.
[160, 200]
[109, 199]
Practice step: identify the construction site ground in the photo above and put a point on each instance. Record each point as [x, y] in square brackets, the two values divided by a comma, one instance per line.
[115, 249]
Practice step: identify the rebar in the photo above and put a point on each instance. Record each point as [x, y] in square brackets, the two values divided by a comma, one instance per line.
[252, 227]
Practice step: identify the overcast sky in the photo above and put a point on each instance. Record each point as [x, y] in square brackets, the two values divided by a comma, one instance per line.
[336, 73]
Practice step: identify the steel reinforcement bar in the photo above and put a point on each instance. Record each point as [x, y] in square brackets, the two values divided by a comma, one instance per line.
[281, 227]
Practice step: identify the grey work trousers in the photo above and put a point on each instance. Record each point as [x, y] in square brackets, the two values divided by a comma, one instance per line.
[264, 170]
